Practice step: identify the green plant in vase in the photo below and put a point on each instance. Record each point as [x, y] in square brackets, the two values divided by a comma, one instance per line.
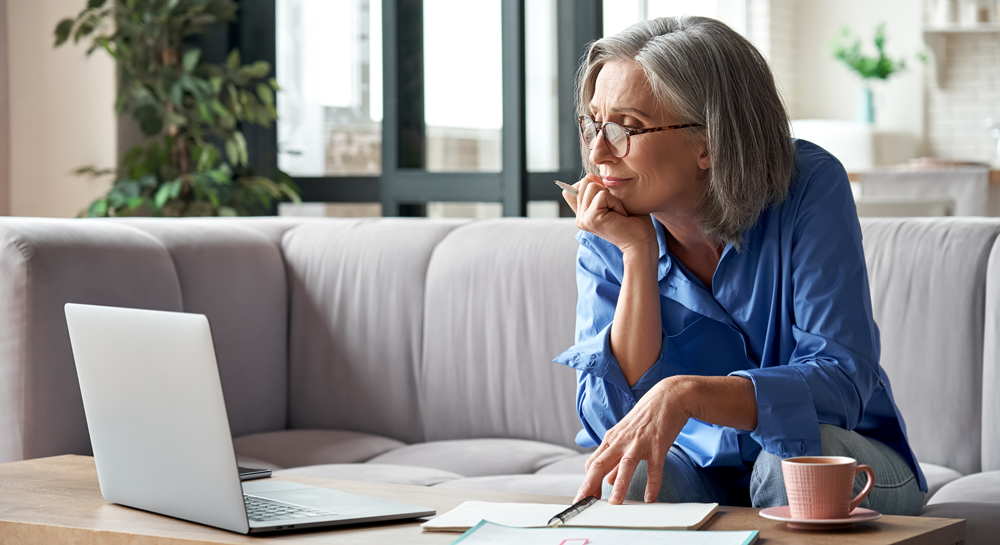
[195, 160]
[847, 49]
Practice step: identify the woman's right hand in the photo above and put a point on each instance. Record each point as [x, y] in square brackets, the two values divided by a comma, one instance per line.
[601, 213]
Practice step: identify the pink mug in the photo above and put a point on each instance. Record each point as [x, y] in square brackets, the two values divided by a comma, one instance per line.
[819, 487]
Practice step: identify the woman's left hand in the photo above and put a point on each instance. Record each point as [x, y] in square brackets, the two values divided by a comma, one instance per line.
[646, 433]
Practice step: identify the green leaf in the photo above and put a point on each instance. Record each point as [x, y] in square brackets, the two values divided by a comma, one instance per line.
[241, 145]
[205, 114]
[233, 61]
[148, 181]
[98, 209]
[227, 211]
[63, 30]
[191, 59]
[162, 195]
[265, 94]
[116, 199]
[94, 4]
[232, 152]
[259, 69]
[177, 93]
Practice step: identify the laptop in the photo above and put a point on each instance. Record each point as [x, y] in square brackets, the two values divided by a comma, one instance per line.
[161, 439]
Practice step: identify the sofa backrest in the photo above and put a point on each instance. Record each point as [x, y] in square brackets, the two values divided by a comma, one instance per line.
[232, 271]
[991, 365]
[928, 284]
[356, 293]
[500, 304]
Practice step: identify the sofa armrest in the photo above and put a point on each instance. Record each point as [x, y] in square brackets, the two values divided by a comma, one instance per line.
[44, 264]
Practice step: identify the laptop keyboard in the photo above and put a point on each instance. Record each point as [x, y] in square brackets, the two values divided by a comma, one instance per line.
[262, 509]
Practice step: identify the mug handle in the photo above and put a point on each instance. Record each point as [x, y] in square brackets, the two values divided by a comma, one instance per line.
[868, 486]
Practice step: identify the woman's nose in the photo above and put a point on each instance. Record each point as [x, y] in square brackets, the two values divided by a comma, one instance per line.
[601, 152]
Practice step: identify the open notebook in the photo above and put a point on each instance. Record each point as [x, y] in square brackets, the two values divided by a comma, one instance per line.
[646, 516]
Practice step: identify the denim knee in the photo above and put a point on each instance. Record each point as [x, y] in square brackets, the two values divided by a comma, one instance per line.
[767, 484]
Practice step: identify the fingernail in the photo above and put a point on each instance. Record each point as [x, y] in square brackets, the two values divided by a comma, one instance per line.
[616, 497]
[649, 497]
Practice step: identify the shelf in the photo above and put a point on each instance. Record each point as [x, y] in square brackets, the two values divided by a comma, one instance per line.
[936, 38]
[957, 28]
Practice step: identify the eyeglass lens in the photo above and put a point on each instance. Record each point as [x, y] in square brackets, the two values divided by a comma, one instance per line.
[614, 135]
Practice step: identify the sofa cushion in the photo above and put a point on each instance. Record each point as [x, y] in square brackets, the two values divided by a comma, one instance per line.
[979, 487]
[375, 473]
[44, 264]
[551, 485]
[236, 276]
[928, 285]
[478, 457]
[574, 465]
[294, 448]
[982, 520]
[501, 300]
[937, 476]
[356, 295]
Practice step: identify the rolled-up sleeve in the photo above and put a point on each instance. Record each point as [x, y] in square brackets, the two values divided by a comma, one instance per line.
[603, 397]
[832, 370]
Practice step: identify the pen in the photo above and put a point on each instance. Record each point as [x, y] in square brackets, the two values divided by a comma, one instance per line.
[566, 187]
[572, 511]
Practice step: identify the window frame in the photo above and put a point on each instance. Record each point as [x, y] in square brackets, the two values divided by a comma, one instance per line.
[404, 186]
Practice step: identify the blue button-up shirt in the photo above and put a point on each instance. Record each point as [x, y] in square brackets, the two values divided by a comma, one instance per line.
[791, 311]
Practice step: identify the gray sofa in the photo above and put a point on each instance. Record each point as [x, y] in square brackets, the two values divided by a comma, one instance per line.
[419, 351]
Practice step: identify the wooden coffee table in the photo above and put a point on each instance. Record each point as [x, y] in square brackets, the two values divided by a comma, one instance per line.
[57, 500]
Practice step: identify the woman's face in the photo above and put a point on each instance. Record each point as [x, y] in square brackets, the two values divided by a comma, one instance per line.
[663, 170]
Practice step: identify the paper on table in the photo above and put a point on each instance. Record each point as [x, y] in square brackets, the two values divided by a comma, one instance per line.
[658, 516]
[486, 533]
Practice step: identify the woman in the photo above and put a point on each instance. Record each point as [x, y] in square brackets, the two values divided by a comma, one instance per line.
[724, 319]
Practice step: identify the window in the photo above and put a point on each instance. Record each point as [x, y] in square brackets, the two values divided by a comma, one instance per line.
[620, 14]
[329, 65]
[409, 104]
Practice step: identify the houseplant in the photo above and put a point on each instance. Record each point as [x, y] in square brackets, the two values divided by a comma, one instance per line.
[194, 161]
[847, 49]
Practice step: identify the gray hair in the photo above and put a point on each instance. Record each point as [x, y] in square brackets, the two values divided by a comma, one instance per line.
[706, 73]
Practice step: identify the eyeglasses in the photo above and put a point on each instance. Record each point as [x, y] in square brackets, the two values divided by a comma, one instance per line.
[618, 138]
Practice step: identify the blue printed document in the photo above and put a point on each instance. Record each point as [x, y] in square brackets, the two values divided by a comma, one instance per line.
[488, 533]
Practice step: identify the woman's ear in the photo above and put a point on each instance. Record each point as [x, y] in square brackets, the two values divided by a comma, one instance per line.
[704, 160]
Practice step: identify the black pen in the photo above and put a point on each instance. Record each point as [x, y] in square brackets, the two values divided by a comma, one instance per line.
[572, 511]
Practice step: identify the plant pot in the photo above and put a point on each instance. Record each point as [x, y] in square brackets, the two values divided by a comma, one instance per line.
[866, 107]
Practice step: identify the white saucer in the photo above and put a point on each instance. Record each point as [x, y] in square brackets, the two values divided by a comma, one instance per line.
[784, 514]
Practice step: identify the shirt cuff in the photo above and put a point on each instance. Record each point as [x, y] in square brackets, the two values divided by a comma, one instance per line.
[594, 356]
[787, 425]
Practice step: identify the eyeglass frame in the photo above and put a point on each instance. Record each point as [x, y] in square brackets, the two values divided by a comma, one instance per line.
[629, 132]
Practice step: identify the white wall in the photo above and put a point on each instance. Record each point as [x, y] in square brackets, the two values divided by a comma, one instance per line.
[61, 112]
[826, 89]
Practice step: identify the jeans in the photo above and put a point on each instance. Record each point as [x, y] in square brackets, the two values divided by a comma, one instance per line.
[896, 490]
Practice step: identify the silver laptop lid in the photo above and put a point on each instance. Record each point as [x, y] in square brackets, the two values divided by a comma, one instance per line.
[156, 414]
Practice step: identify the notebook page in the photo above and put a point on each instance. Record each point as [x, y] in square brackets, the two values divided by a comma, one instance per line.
[471, 513]
[661, 516]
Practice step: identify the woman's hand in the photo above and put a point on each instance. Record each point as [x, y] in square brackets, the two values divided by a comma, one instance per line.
[646, 433]
[601, 213]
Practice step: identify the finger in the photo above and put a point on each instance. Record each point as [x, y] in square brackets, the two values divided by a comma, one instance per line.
[654, 472]
[591, 485]
[597, 453]
[626, 468]
[571, 200]
[606, 201]
[590, 195]
[610, 479]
